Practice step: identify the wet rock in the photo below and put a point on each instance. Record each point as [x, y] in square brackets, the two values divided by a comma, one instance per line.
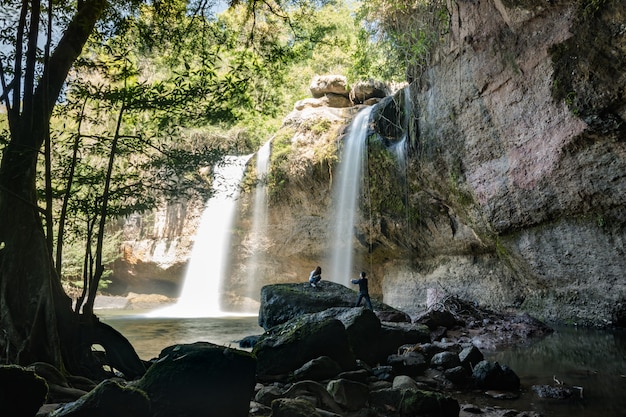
[318, 369]
[445, 360]
[490, 375]
[187, 380]
[108, 399]
[267, 394]
[350, 395]
[282, 302]
[411, 363]
[457, 375]
[410, 402]
[287, 347]
[22, 391]
[404, 382]
[290, 407]
[315, 393]
[470, 356]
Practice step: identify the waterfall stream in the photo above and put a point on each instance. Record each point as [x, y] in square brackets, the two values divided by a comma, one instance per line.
[345, 197]
[258, 233]
[201, 295]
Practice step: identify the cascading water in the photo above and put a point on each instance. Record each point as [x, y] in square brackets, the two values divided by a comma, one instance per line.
[345, 200]
[202, 287]
[258, 236]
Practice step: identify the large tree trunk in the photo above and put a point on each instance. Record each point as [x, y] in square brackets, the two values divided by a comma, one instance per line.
[36, 318]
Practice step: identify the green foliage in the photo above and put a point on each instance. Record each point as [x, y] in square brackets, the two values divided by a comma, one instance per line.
[278, 173]
[401, 35]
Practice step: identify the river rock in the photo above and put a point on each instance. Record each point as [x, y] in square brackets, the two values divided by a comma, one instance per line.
[22, 391]
[410, 363]
[315, 393]
[187, 380]
[317, 369]
[410, 402]
[281, 302]
[490, 375]
[290, 407]
[108, 399]
[287, 347]
[350, 395]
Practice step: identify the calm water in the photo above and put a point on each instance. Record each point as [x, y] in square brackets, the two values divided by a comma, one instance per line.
[592, 359]
[151, 335]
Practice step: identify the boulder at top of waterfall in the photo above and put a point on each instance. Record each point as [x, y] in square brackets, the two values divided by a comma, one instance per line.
[367, 89]
[282, 302]
[325, 84]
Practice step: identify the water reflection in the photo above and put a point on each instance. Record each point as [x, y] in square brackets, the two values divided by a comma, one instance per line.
[151, 335]
[592, 359]
[589, 358]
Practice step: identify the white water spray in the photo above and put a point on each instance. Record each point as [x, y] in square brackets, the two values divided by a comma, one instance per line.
[258, 234]
[346, 195]
[202, 291]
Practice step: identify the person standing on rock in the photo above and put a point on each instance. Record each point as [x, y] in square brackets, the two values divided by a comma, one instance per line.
[363, 291]
[316, 276]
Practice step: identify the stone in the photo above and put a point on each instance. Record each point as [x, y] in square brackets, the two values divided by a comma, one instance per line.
[22, 391]
[267, 394]
[445, 360]
[490, 375]
[414, 402]
[108, 399]
[282, 302]
[458, 375]
[470, 356]
[293, 407]
[315, 393]
[405, 382]
[329, 84]
[366, 89]
[186, 380]
[410, 363]
[290, 345]
[317, 369]
[350, 395]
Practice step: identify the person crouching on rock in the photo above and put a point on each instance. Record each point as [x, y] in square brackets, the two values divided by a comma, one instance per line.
[316, 276]
[363, 291]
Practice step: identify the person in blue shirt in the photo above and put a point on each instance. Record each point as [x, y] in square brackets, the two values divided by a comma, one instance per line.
[363, 291]
[316, 276]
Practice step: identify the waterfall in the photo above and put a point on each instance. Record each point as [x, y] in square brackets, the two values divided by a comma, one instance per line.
[258, 236]
[345, 197]
[202, 287]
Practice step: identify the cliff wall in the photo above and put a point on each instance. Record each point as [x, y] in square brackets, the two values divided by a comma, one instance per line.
[513, 191]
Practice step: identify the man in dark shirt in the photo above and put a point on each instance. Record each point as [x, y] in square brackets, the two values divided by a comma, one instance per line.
[363, 291]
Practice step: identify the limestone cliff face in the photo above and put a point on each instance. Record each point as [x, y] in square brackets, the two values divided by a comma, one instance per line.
[515, 188]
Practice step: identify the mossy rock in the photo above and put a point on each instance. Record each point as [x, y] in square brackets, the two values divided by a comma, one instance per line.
[22, 392]
[200, 379]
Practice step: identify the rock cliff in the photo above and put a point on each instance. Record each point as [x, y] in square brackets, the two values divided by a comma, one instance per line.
[513, 190]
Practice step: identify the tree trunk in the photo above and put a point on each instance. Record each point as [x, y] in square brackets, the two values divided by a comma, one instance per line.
[37, 322]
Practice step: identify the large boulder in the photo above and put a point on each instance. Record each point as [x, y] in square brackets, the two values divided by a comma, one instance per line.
[22, 392]
[287, 347]
[282, 302]
[200, 379]
[329, 84]
[411, 402]
[107, 399]
[491, 375]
